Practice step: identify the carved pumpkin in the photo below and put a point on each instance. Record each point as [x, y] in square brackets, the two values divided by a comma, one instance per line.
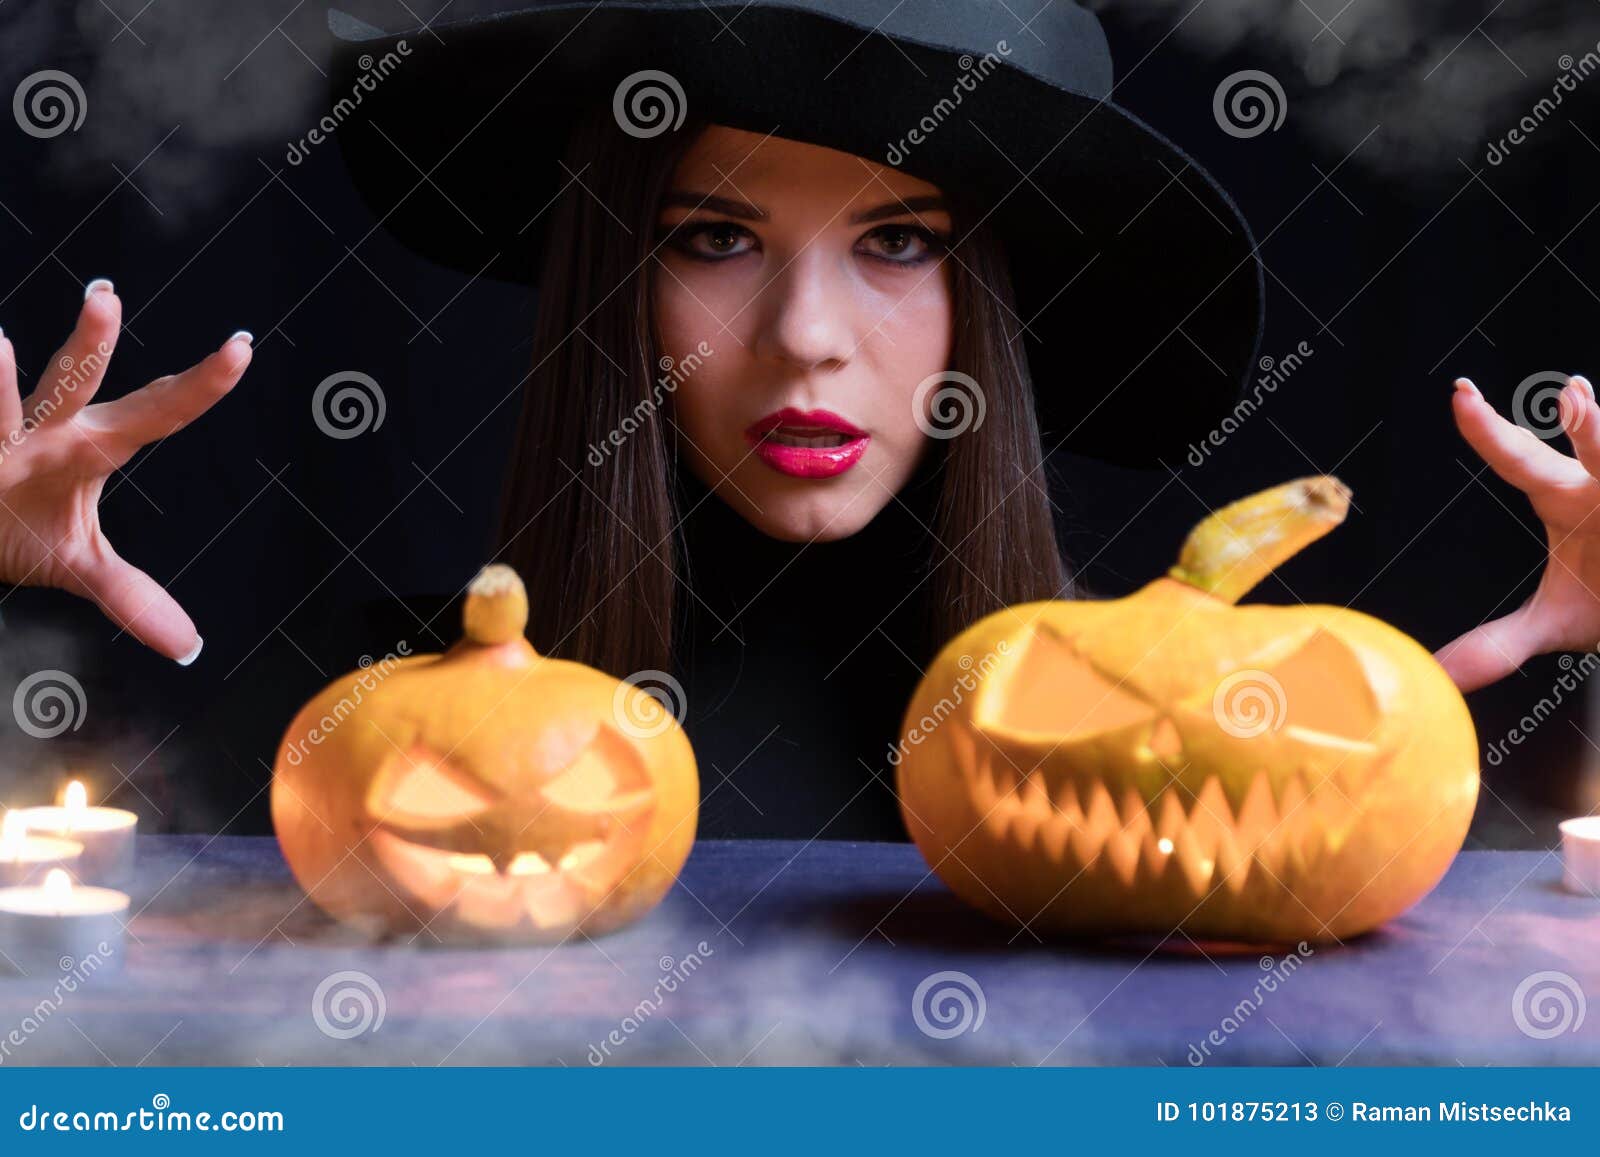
[485, 793]
[1169, 761]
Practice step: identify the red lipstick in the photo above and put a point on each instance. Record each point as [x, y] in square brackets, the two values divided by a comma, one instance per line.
[807, 443]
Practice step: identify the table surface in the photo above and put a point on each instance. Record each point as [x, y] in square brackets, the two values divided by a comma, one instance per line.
[804, 953]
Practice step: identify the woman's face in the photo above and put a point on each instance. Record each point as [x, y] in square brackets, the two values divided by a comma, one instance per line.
[818, 282]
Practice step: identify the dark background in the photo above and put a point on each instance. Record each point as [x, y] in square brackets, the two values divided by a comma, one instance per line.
[1415, 262]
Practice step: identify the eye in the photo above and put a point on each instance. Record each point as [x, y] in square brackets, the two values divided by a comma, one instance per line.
[902, 244]
[712, 240]
[418, 788]
[605, 779]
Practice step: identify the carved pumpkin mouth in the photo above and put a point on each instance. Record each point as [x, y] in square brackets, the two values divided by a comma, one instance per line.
[530, 890]
[497, 860]
[1202, 839]
[1095, 772]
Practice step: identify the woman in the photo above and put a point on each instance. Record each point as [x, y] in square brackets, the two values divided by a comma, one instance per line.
[786, 423]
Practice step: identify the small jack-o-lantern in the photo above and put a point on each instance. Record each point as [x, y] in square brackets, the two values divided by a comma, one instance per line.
[1171, 762]
[485, 793]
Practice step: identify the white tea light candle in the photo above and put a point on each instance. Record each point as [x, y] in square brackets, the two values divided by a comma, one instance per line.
[24, 858]
[1580, 854]
[106, 833]
[57, 925]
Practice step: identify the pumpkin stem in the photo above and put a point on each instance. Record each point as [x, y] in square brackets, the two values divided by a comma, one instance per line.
[1239, 545]
[496, 609]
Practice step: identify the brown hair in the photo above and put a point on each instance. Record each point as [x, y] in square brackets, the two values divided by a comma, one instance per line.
[591, 522]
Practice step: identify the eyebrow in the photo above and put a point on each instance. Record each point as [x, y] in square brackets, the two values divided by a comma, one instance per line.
[689, 199]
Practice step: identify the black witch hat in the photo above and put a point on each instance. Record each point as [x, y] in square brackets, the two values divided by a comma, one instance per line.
[1136, 278]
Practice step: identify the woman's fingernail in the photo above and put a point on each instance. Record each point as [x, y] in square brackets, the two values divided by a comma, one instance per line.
[96, 286]
[185, 660]
[1583, 384]
[243, 335]
[1465, 385]
[1573, 409]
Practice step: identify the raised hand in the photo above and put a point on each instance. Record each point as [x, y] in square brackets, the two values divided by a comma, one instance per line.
[56, 451]
[1563, 614]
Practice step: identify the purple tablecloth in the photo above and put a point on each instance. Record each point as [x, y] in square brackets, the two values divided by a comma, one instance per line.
[782, 953]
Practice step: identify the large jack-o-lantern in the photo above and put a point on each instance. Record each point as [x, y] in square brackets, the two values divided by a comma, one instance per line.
[1171, 762]
[488, 793]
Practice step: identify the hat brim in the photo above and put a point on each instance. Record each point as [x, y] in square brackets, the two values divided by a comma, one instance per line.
[1136, 277]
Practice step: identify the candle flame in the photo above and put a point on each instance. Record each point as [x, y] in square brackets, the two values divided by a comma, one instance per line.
[57, 884]
[1582, 828]
[75, 797]
[12, 832]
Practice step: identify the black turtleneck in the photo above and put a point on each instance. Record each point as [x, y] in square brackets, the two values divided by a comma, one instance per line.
[798, 661]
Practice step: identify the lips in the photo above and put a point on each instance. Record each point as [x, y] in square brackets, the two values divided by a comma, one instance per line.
[807, 443]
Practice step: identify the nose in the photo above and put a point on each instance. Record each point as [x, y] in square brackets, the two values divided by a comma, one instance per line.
[805, 315]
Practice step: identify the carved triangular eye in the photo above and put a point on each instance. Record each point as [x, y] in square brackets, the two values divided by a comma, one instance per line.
[1050, 689]
[421, 789]
[1318, 692]
[606, 778]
